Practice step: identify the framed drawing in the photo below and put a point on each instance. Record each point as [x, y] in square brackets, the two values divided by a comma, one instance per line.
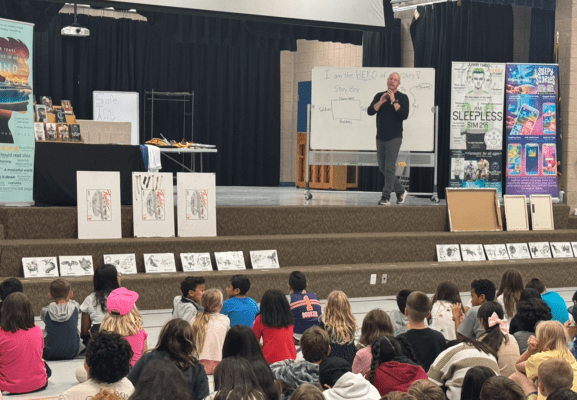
[562, 250]
[153, 204]
[472, 252]
[472, 210]
[448, 252]
[516, 216]
[541, 212]
[196, 262]
[264, 259]
[496, 252]
[76, 265]
[40, 267]
[518, 251]
[230, 261]
[159, 263]
[196, 204]
[540, 249]
[99, 212]
[124, 263]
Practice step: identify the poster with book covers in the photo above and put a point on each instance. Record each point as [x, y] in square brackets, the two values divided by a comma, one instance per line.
[531, 127]
[477, 125]
[17, 143]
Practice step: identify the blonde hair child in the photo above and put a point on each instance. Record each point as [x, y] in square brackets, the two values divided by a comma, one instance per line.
[340, 323]
[210, 328]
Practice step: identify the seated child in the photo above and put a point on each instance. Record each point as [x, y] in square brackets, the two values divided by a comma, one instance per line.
[61, 336]
[187, 305]
[315, 346]
[553, 300]
[554, 375]
[305, 305]
[501, 388]
[426, 342]
[338, 382]
[398, 317]
[307, 392]
[375, 324]
[474, 380]
[424, 389]
[565, 394]
[239, 308]
[482, 290]
[341, 325]
[10, 285]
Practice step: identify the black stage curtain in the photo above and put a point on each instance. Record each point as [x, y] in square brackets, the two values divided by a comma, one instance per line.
[447, 32]
[540, 4]
[542, 43]
[379, 50]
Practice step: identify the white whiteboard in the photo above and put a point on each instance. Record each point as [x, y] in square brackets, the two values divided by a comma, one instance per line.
[118, 107]
[341, 96]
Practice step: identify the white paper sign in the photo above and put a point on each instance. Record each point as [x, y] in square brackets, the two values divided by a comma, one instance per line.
[229, 261]
[158, 263]
[76, 265]
[472, 252]
[195, 262]
[540, 250]
[124, 263]
[99, 213]
[448, 252]
[496, 252]
[153, 204]
[196, 204]
[40, 267]
[561, 250]
[518, 251]
[264, 259]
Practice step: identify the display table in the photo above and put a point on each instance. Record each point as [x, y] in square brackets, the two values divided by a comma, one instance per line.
[165, 150]
[55, 167]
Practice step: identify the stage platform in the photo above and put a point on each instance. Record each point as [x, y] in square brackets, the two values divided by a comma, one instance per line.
[344, 245]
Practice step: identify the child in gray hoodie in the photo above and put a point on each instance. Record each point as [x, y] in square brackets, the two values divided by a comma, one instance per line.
[61, 336]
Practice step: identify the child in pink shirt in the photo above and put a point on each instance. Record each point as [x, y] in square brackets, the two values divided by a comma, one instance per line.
[22, 369]
[275, 325]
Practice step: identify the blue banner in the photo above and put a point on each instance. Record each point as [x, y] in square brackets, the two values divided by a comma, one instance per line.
[16, 113]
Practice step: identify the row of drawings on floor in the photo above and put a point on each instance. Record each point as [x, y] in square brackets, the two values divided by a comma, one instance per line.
[99, 212]
[44, 267]
[510, 251]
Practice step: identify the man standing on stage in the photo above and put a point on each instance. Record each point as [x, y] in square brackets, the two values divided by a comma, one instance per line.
[392, 108]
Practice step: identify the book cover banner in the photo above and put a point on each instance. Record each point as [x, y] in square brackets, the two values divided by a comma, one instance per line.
[476, 169]
[531, 127]
[477, 106]
[16, 112]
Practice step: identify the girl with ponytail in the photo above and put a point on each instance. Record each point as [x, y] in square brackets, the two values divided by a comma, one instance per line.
[210, 328]
[497, 337]
[394, 366]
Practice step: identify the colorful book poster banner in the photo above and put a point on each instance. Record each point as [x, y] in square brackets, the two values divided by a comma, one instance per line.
[477, 110]
[531, 129]
[16, 113]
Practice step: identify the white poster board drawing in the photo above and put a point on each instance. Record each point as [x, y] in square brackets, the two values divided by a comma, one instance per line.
[518, 251]
[472, 252]
[159, 263]
[540, 249]
[496, 252]
[40, 267]
[448, 252]
[99, 212]
[561, 250]
[541, 212]
[76, 265]
[118, 107]
[196, 262]
[124, 263]
[153, 204]
[196, 204]
[516, 216]
[340, 98]
[230, 261]
[264, 259]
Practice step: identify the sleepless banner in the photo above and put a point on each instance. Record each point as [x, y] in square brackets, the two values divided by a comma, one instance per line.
[16, 113]
[477, 115]
[531, 129]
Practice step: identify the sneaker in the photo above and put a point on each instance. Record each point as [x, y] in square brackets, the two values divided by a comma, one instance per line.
[401, 199]
[384, 202]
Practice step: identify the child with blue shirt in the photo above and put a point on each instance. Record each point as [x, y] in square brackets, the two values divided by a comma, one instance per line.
[305, 305]
[240, 309]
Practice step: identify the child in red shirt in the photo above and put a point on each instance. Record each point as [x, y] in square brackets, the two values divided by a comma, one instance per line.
[275, 325]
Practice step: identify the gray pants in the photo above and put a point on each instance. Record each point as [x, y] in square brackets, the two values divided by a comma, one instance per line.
[387, 153]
